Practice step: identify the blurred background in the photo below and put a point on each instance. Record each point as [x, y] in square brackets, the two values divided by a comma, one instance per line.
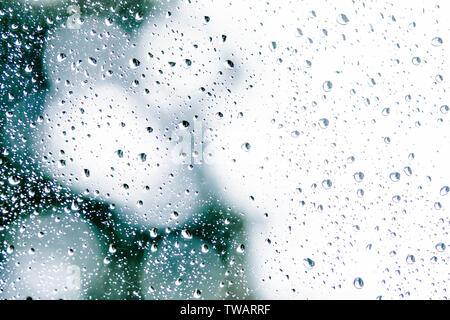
[187, 149]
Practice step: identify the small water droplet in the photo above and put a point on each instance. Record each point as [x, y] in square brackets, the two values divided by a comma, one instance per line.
[394, 176]
[309, 263]
[229, 64]
[408, 171]
[61, 57]
[327, 184]
[440, 247]
[360, 193]
[416, 61]
[142, 157]
[246, 146]
[13, 181]
[436, 42]
[186, 234]
[358, 283]
[197, 294]
[444, 190]
[134, 63]
[92, 61]
[358, 176]
[323, 123]
[205, 248]
[10, 249]
[119, 153]
[342, 19]
[327, 86]
[112, 248]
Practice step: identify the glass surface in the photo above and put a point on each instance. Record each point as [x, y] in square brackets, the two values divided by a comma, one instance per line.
[224, 149]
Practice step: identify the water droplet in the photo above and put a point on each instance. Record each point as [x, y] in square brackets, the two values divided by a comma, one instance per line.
[61, 57]
[112, 248]
[142, 157]
[183, 124]
[10, 249]
[240, 248]
[205, 248]
[119, 153]
[408, 171]
[323, 123]
[229, 64]
[309, 263]
[92, 61]
[410, 259]
[386, 111]
[394, 176]
[273, 46]
[134, 63]
[444, 190]
[436, 42]
[13, 181]
[197, 294]
[327, 86]
[342, 19]
[444, 109]
[358, 176]
[219, 115]
[358, 283]
[246, 146]
[153, 233]
[186, 234]
[327, 184]
[440, 247]
[295, 133]
[416, 61]
[139, 16]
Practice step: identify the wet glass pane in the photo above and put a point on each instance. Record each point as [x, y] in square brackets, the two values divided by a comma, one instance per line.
[217, 149]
